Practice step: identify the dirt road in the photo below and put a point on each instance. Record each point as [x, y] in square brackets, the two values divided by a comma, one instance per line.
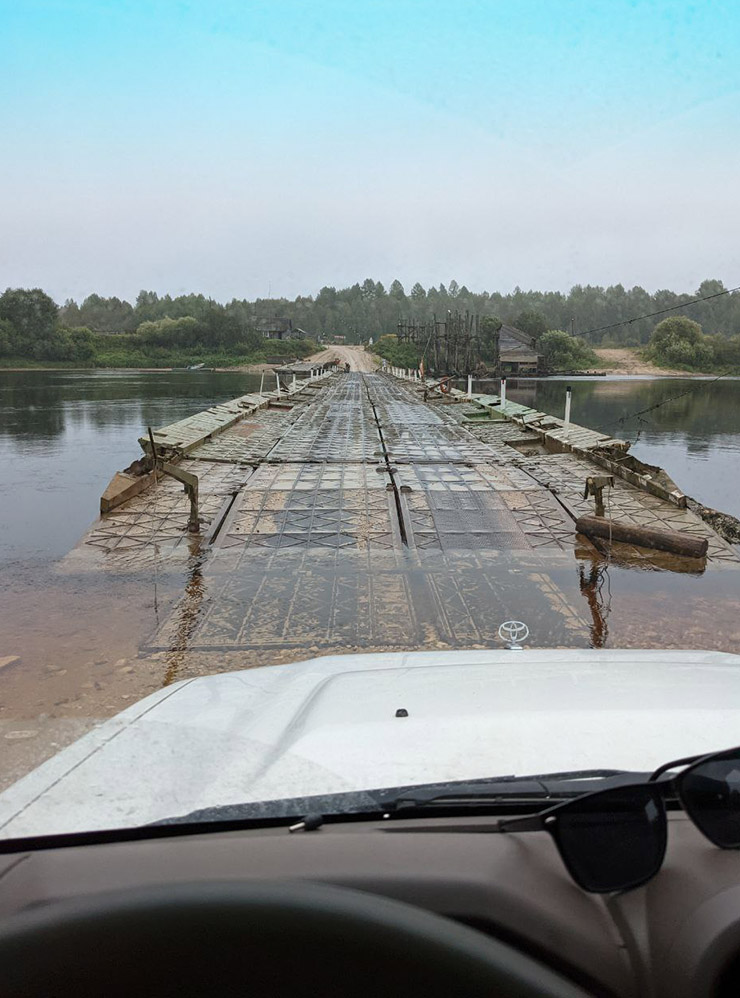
[357, 357]
[623, 360]
[359, 360]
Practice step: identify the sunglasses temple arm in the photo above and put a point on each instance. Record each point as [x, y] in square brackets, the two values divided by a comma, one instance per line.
[532, 823]
[674, 764]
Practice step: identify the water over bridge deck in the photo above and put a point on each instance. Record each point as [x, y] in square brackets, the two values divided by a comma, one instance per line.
[353, 515]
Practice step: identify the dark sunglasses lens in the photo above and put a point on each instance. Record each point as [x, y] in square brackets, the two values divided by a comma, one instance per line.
[613, 840]
[710, 793]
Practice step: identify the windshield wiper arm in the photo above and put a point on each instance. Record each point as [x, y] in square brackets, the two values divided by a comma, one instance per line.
[522, 789]
[486, 791]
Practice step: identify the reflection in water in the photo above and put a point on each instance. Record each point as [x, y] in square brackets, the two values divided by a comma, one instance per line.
[39, 406]
[595, 586]
[188, 610]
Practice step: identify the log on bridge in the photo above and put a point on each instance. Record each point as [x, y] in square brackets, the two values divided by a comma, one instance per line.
[630, 533]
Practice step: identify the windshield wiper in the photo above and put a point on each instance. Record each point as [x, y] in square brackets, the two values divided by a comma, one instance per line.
[502, 793]
[549, 787]
[485, 792]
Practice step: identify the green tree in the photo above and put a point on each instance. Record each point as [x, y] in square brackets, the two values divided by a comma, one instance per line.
[33, 316]
[106, 315]
[488, 331]
[726, 350]
[69, 314]
[327, 297]
[399, 354]
[532, 322]
[562, 352]
[682, 353]
[674, 329]
[147, 306]
[8, 339]
[185, 332]
[679, 342]
[83, 344]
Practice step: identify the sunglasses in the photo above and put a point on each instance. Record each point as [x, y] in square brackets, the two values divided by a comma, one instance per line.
[614, 840]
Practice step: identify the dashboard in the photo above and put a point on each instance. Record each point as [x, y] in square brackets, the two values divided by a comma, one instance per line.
[677, 936]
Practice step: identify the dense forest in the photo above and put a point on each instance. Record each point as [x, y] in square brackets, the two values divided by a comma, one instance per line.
[369, 309]
[160, 330]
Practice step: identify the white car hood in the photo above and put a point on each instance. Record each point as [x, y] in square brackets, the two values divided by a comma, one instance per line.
[329, 725]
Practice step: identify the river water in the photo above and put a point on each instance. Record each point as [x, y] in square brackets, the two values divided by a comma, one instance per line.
[64, 434]
[77, 635]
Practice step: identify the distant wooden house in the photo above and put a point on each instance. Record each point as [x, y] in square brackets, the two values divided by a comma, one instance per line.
[517, 351]
[280, 329]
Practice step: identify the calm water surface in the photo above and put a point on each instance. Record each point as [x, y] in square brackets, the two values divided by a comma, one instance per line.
[63, 435]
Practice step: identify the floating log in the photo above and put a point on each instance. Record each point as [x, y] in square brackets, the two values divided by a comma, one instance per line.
[629, 533]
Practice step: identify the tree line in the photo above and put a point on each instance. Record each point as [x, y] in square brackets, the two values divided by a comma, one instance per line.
[162, 326]
[368, 309]
[156, 331]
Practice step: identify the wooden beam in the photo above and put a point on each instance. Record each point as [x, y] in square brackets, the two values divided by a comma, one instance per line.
[630, 533]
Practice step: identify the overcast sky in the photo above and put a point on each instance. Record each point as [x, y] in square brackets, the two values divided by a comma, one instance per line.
[244, 149]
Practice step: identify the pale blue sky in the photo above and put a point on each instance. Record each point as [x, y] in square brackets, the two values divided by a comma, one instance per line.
[242, 148]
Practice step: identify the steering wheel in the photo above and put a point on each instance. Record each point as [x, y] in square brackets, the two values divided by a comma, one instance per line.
[257, 939]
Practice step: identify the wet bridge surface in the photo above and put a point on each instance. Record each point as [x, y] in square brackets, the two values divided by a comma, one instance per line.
[357, 516]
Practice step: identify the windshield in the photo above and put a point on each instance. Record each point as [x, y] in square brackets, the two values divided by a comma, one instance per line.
[369, 408]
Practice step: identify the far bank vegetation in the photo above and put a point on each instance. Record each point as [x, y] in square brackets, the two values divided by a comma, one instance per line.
[162, 331]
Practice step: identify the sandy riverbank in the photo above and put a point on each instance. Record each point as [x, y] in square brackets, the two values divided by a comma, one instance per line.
[627, 360]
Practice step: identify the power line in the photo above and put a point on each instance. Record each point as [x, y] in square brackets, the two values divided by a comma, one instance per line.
[662, 311]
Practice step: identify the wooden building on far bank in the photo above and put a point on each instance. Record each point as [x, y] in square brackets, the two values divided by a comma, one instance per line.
[517, 351]
[280, 329]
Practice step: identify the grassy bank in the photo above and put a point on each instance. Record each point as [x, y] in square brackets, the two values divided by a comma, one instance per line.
[126, 351]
